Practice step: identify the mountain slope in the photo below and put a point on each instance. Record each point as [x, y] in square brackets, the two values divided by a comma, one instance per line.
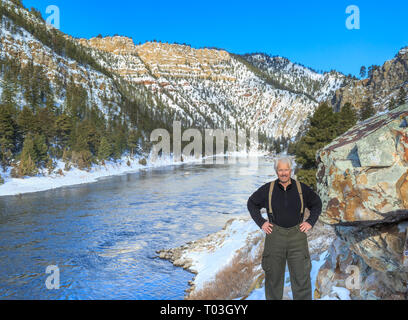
[25, 39]
[297, 78]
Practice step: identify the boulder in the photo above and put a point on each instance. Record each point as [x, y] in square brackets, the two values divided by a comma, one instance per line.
[362, 179]
[362, 175]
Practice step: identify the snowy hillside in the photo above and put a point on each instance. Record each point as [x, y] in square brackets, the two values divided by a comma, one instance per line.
[297, 78]
[216, 88]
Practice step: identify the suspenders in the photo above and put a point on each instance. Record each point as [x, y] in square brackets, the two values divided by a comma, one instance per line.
[270, 198]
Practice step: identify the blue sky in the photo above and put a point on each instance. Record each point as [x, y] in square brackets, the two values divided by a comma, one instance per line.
[312, 33]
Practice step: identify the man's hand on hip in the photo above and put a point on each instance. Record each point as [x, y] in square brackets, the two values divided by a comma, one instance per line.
[267, 227]
[305, 226]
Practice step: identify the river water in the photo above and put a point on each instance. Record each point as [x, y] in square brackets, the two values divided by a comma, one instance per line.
[103, 236]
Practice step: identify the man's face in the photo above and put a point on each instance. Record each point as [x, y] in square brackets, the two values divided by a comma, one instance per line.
[284, 172]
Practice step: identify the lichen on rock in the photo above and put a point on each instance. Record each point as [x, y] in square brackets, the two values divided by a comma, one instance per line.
[362, 179]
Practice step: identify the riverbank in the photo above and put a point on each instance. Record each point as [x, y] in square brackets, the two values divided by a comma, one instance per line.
[227, 264]
[44, 181]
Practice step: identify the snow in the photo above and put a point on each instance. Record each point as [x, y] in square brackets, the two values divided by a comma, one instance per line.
[257, 294]
[208, 263]
[403, 51]
[339, 293]
[316, 266]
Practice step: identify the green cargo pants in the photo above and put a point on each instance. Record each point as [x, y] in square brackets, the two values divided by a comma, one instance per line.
[281, 245]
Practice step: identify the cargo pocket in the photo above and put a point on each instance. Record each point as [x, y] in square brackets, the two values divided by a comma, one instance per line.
[266, 262]
[268, 242]
[307, 264]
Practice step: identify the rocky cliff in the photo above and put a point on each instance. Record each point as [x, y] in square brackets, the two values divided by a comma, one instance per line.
[382, 86]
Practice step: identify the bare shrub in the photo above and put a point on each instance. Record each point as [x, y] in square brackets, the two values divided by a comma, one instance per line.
[82, 159]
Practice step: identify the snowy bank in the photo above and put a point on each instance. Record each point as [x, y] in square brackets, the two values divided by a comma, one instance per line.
[45, 181]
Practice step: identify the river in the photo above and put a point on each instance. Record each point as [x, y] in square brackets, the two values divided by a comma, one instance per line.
[103, 236]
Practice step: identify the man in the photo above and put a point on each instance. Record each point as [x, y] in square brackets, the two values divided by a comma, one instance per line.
[286, 238]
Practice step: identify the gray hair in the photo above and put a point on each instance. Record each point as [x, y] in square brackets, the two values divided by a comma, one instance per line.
[284, 160]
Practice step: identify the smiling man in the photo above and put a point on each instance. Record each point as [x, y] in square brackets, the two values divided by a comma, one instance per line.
[286, 239]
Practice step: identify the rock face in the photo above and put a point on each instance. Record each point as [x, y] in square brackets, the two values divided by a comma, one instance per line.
[362, 179]
[383, 85]
[366, 284]
[363, 174]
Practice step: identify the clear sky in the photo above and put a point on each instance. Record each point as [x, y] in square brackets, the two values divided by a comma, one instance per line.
[312, 33]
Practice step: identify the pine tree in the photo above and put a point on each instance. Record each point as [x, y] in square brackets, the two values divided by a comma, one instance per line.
[119, 139]
[27, 166]
[372, 69]
[362, 71]
[292, 147]
[105, 149]
[63, 128]
[50, 104]
[401, 96]
[367, 111]
[392, 104]
[41, 150]
[36, 13]
[86, 137]
[346, 118]
[18, 3]
[46, 119]
[276, 145]
[82, 159]
[76, 101]
[323, 128]
[133, 141]
[25, 121]
[9, 92]
[8, 134]
[51, 165]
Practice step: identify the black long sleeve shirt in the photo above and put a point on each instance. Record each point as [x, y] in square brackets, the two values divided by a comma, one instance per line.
[286, 204]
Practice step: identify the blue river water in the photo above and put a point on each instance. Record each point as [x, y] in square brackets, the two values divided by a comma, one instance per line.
[103, 236]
